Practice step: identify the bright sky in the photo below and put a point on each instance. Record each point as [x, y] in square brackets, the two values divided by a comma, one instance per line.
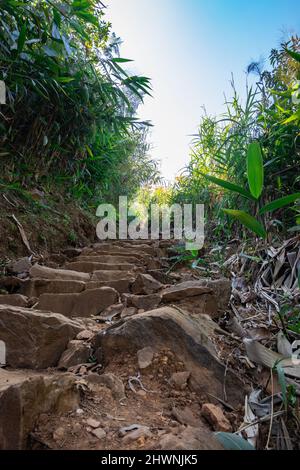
[189, 49]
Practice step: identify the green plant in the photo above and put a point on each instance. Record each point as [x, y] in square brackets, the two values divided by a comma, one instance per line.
[70, 119]
[220, 150]
[255, 175]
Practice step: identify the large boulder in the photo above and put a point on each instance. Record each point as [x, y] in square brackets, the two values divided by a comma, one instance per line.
[26, 395]
[34, 339]
[85, 304]
[190, 338]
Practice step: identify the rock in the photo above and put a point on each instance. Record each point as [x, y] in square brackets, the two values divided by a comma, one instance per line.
[200, 297]
[145, 357]
[34, 339]
[84, 304]
[186, 416]
[219, 288]
[179, 379]
[190, 338]
[93, 423]
[112, 311]
[200, 305]
[184, 290]
[77, 428]
[59, 434]
[16, 300]
[160, 276]
[146, 284]
[126, 430]
[72, 252]
[77, 353]
[20, 266]
[142, 432]
[85, 335]
[43, 272]
[99, 433]
[128, 312]
[24, 396]
[37, 287]
[110, 381]
[154, 263]
[190, 438]
[145, 302]
[215, 416]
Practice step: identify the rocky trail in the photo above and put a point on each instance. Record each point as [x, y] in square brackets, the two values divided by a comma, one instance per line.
[106, 350]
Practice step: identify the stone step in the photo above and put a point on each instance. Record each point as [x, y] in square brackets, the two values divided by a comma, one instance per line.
[138, 249]
[120, 253]
[34, 339]
[43, 272]
[37, 287]
[90, 267]
[24, 395]
[16, 300]
[107, 259]
[112, 275]
[122, 286]
[88, 303]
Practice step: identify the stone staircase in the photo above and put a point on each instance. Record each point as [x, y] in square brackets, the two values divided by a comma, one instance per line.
[77, 334]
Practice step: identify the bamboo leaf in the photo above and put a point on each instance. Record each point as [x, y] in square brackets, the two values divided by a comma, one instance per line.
[230, 186]
[21, 39]
[255, 169]
[293, 54]
[282, 383]
[119, 60]
[250, 222]
[278, 203]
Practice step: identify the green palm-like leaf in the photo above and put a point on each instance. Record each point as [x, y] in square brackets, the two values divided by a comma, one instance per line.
[230, 186]
[293, 54]
[250, 222]
[278, 203]
[255, 169]
[233, 442]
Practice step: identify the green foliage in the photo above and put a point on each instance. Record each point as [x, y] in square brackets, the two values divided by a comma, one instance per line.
[70, 114]
[255, 169]
[250, 222]
[248, 159]
[255, 174]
